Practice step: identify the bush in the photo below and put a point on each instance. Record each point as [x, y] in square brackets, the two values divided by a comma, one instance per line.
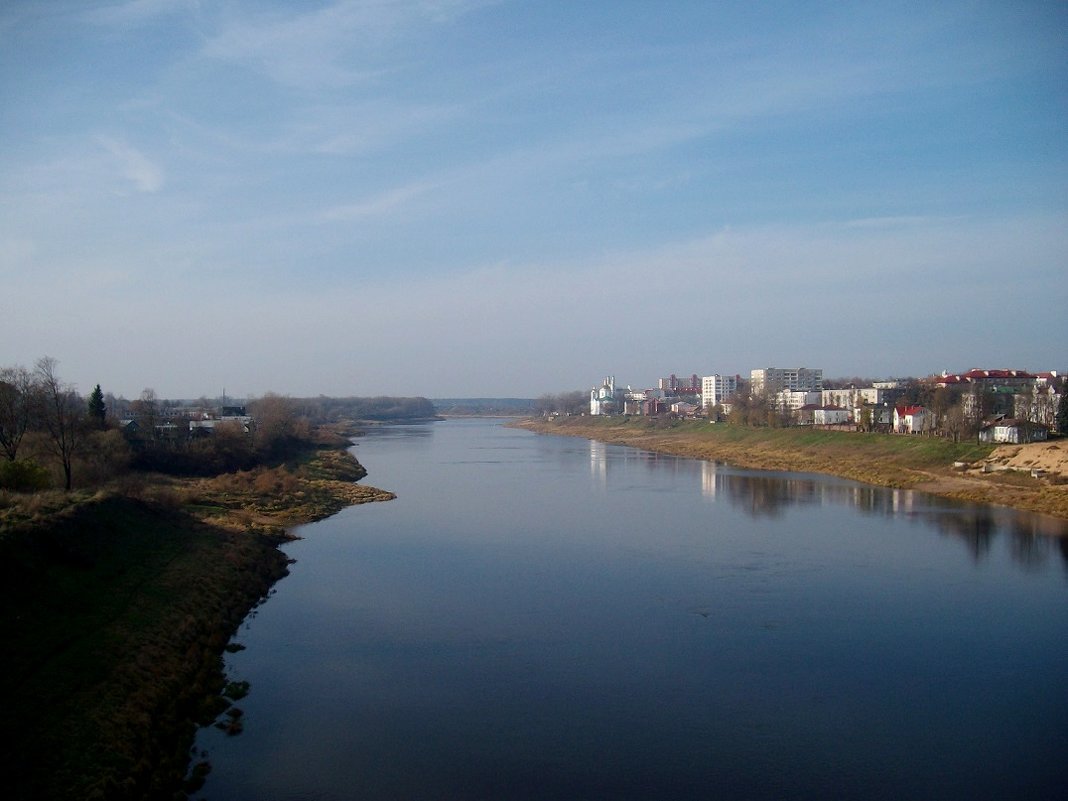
[24, 475]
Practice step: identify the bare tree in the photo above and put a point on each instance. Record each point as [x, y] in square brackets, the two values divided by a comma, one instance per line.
[955, 422]
[16, 408]
[62, 414]
[276, 423]
[146, 408]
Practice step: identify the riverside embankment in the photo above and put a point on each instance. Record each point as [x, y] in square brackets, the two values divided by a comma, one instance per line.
[117, 610]
[913, 462]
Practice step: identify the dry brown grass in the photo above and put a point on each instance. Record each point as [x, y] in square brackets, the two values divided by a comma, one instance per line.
[274, 498]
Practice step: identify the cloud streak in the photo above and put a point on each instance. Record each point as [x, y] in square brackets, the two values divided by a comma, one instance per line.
[133, 165]
[378, 205]
[334, 46]
[138, 12]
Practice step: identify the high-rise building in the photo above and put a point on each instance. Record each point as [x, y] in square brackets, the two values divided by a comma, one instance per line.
[717, 388]
[770, 380]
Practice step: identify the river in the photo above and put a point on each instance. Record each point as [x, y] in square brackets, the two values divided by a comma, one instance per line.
[540, 617]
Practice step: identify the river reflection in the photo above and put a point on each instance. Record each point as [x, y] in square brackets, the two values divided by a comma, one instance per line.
[1034, 539]
[541, 617]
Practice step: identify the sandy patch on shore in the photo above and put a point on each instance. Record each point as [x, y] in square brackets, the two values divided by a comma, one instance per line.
[1052, 457]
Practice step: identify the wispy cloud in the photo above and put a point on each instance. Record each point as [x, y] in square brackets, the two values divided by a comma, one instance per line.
[365, 127]
[335, 46]
[138, 12]
[903, 221]
[377, 205]
[133, 165]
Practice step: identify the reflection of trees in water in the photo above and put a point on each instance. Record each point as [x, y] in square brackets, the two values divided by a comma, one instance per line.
[1029, 550]
[1035, 539]
[975, 527]
[1032, 538]
[768, 496]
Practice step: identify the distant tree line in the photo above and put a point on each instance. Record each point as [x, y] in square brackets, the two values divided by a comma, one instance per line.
[381, 408]
[485, 407]
[575, 402]
[50, 436]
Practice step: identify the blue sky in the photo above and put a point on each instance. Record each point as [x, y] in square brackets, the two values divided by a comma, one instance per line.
[453, 198]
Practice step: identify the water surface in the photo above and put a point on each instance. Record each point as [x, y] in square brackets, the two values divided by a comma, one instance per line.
[546, 617]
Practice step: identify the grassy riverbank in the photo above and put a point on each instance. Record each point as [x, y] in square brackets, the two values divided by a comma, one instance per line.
[117, 610]
[924, 463]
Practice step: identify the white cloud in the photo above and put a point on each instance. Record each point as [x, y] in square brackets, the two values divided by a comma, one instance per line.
[138, 12]
[366, 127]
[133, 165]
[317, 48]
[377, 205]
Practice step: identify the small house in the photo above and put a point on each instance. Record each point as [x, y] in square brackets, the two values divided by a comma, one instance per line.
[912, 420]
[1014, 431]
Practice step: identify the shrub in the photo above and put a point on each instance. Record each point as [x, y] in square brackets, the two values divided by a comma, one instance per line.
[24, 475]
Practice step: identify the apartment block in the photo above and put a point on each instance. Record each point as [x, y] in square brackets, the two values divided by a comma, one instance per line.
[771, 380]
[715, 389]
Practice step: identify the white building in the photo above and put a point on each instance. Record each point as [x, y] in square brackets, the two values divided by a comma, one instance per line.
[912, 420]
[769, 380]
[243, 420]
[715, 389]
[789, 400]
[1014, 431]
[603, 398]
[855, 398]
[830, 416]
[1040, 405]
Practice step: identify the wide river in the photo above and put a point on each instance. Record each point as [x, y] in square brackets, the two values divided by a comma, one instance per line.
[540, 617]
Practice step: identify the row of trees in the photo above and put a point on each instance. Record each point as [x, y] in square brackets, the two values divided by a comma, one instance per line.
[48, 433]
[575, 402]
[38, 402]
[164, 442]
[384, 407]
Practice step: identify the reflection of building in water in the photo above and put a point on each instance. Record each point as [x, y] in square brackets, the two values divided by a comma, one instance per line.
[607, 458]
[768, 494]
[1033, 538]
[599, 462]
[708, 479]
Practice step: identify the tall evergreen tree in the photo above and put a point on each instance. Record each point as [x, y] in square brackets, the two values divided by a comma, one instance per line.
[1062, 411]
[98, 410]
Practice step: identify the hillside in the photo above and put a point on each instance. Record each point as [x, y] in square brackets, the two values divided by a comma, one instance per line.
[117, 610]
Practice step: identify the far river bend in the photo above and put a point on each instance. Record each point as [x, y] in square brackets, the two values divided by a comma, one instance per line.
[541, 617]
